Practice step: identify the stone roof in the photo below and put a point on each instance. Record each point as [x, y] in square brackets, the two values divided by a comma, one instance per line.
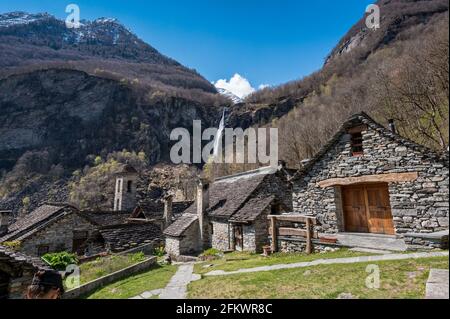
[252, 209]
[151, 209]
[364, 118]
[127, 169]
[40, 217]
[227, 196]
[126, 236]
[17, 261]
[105, 218]
[180, 225]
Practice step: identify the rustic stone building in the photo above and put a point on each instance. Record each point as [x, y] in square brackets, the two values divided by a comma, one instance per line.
[372, 187]
[231, 213]
[49, 228]
[61, 227]
[116, 232]
[16, 273]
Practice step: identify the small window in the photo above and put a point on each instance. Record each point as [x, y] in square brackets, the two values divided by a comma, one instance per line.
[42, 250]
[276, 209]
[357, 144]
[129, 186]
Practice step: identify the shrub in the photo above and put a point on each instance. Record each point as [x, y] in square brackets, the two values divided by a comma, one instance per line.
[60, 261]
[212, 252]
[13, 245]
[137, 257]
[159, 251]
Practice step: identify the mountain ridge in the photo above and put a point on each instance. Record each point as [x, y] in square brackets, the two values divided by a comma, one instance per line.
[35, 41]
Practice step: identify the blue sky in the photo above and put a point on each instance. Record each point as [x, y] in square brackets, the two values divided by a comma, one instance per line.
[266, 41]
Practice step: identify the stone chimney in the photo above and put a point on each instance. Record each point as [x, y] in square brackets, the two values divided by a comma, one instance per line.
[392, 127]
[5, 220]
[202, 206]
[168, 212]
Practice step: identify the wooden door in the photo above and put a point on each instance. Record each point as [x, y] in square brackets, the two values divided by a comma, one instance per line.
[355, 213]
[379, 208]
[238, 238]
[79, 238]
[367, 209]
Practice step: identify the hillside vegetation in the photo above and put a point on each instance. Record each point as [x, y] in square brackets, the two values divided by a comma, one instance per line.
[398, 72]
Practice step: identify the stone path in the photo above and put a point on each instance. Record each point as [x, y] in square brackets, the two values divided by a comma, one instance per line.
[177, 286]
[371, 251]
[438, 285]
[351, 260]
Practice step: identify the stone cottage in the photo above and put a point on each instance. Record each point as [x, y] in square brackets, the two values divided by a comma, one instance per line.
[371, 187]
[116, 232]
[231, 213]
[16, 273]
[49, 228]
[55, 227]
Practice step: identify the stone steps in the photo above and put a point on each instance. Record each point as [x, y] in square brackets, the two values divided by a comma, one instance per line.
[438, 285]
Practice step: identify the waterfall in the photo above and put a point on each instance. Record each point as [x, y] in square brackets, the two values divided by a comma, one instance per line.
[217, 141]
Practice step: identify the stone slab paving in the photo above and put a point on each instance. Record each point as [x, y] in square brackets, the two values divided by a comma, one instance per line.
[148, 294]
[351, 260]
[438, 284]
[371, 251]
[177, 287]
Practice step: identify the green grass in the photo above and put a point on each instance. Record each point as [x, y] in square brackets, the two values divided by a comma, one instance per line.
[156, 278]
[107, 265]
[236, 260]
[399, 279]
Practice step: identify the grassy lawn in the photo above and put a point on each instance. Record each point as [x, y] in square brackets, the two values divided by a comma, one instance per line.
[399, 279]
[156, 278]
[107, 265]
[237, 260]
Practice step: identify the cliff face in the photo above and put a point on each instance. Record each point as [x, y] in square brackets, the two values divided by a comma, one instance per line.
[397, 16]
[73, 114]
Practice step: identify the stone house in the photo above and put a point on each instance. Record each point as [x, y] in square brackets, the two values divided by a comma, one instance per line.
[16, 273]
[118, 232]
[231, 213]
[49, 228]
[371, 187]
[62, 227]
[58, 227]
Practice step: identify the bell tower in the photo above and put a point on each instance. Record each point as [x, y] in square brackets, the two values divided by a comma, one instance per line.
[125, 190]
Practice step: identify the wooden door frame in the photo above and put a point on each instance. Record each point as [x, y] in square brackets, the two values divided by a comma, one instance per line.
[364, 186]
[235, 227]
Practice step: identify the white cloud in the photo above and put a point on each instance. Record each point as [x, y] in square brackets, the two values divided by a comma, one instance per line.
[237, 85]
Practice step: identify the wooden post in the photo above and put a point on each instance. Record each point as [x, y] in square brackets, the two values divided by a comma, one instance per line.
[308, 237]
[273, 224]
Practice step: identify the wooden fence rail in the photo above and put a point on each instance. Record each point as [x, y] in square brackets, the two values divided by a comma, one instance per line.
[307, 233]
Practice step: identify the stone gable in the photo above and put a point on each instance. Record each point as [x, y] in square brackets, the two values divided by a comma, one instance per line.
[419, 205]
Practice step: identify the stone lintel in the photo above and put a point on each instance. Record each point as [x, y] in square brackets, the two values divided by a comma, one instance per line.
[379, 178]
